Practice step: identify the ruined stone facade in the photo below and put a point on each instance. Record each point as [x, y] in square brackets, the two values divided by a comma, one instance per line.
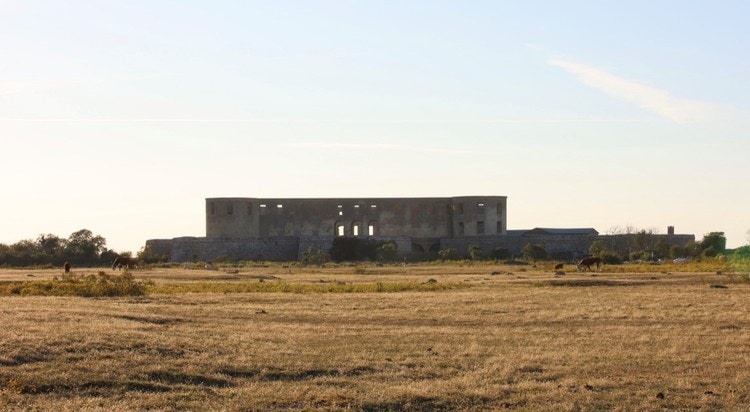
[423, 219]
[281, 229]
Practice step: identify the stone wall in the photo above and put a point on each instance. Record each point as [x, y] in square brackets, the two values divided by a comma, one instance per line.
[290, 248]
[356, 217]
[160, 247]
[185, 249]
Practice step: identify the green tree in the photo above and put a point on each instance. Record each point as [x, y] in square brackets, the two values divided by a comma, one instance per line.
[388, 252]
[84, 248]
[313, 256]
[501, 253]
[448, 254]
[353, 249]
[534, 252]
[597, 248]
[600, 249]
[475, 252]
[679, 251]
[713, 244]
[50, 249]
[661, 248]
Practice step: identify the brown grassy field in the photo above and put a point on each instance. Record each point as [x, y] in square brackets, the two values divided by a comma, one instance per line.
[491, 338]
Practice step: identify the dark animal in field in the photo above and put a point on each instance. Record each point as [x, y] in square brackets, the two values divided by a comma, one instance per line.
[66, 267]
[586, 263]
[558, 266]
[124, 262]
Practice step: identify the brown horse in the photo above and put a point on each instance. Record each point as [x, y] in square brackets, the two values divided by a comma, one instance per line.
[126, 262]
[66, 267]
[588, 262]
[559, 266]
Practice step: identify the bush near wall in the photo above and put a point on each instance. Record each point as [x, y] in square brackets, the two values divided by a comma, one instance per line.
[355, 249]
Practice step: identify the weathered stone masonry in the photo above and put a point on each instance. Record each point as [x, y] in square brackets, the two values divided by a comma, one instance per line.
[281, 229]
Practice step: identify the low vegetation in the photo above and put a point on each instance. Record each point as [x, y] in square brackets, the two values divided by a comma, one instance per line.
[286, 287]
[98, 285]
[457, 336]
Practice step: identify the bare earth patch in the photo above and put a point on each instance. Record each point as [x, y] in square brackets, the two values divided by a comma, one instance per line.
[525, 340]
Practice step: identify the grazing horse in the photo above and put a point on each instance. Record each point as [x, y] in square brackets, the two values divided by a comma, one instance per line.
[126, 262]
[66, 267]
[559, 266]
[588, 262]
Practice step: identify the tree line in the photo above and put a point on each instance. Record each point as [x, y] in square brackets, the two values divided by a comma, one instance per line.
[645, 245]
[81, 248]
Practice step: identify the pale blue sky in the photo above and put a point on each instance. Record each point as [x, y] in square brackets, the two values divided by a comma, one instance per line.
[122, 116]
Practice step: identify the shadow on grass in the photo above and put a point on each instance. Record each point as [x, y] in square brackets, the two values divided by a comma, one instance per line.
[173, 378]
[587, 282]
[274, 375]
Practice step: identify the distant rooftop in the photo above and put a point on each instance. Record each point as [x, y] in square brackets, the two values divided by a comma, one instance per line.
[588, 231]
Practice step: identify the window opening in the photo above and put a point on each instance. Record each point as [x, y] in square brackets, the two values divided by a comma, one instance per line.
[480, 228]
[230, 209]
[460, 228]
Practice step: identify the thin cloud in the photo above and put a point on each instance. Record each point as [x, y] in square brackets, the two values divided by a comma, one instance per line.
[676, 109]
[380, 147]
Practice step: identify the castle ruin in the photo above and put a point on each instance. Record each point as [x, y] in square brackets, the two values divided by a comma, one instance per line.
[281, 229]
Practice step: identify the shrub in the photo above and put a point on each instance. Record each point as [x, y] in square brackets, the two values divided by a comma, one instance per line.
[475, 252]
[610, 258]
[448, 254]
[101, 284]
[388, 252]
[353, 249]
[501, 253]
[313, 256]
[534, 252]
[640, 255]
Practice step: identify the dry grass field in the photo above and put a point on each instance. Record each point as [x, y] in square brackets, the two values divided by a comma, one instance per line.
[423, 338]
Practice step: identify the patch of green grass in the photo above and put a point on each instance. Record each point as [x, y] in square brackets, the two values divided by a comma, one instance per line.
[101, 284]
